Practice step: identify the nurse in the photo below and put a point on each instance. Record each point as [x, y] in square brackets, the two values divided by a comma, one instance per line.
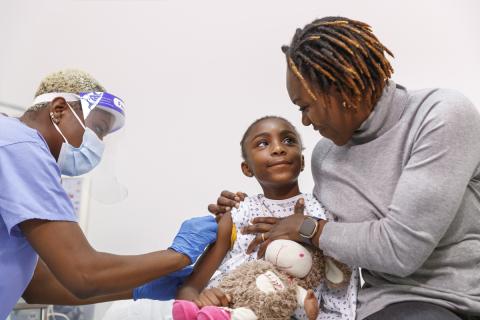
[44, 256]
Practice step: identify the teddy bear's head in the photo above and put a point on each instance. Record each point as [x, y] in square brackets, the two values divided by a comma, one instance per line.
[302, 262]
[289, 257]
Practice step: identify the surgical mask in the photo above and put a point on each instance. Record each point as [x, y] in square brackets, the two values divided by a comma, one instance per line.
[74, 161]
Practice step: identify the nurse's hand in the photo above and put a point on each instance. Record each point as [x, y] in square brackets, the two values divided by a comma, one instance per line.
[226, 202]
[194, 235]
[163, 288]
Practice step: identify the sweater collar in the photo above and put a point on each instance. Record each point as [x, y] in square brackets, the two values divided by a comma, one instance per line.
[384, 116]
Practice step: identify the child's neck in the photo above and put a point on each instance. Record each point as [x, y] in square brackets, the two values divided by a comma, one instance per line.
[281, 192]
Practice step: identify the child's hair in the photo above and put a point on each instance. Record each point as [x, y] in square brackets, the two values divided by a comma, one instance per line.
[247, 132]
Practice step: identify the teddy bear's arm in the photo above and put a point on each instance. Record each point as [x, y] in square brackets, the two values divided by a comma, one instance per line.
[301, 295]
[311, 306]
[308, 301]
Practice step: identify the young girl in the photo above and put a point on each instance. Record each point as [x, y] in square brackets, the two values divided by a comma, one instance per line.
[272, 153]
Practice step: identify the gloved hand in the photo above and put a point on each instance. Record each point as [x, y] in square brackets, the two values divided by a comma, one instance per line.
[163, 288]
[194, 235]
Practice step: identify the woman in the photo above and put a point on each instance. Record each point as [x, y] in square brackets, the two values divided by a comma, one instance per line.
[44, 256]
[399, 170]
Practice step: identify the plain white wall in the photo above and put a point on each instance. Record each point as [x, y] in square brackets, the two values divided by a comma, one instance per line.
[194, 74]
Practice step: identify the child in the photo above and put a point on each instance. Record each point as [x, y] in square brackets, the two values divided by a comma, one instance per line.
[272, 153]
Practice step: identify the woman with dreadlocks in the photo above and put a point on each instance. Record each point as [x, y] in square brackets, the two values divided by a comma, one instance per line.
[399, 170]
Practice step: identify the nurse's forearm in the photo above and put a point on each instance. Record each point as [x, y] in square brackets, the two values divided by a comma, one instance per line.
[88, 273]
[109, 273]
[44, 288]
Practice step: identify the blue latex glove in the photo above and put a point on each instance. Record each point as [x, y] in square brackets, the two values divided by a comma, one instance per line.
[194, 235]
[163, 288]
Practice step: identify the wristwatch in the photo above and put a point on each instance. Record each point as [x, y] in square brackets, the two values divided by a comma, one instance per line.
[308, 229]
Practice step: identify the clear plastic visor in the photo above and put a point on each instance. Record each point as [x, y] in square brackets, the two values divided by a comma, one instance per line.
[103, 113]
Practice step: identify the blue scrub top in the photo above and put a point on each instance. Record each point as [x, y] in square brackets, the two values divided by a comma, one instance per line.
[30, 188]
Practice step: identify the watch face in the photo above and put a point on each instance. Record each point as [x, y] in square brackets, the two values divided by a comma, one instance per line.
[308, 227]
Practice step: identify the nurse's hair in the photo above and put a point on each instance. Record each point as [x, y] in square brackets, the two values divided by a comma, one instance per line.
[68, 80]
[247, 132]
[343, 53]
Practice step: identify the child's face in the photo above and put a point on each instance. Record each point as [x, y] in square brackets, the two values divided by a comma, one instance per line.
[274, 153]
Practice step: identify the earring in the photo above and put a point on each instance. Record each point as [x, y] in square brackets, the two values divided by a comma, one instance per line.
[344, 104]
[55, 120]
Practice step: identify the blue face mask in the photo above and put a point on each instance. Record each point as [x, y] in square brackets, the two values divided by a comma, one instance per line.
[74, 161]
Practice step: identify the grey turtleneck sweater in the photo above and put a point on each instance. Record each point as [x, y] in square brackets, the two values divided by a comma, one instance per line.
[405, 192]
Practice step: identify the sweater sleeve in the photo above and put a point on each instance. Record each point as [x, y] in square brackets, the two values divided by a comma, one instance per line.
[443, 159]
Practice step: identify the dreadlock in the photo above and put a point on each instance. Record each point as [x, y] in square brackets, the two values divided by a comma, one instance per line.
[341, 52]
[247, 132]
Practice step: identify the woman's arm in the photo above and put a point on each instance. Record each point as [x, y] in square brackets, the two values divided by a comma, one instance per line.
[87, 273]
[208, 262]
[443, 160]
[268, 229]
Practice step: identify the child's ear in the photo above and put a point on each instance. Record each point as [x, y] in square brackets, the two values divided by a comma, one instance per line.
[303, 163]
[246, 169]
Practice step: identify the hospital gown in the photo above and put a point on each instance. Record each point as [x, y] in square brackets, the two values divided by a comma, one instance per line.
[334, 303]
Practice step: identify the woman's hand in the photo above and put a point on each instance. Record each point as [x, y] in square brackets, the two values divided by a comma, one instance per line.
[260, 225]
[212, 297]
[269, 229]
[226, 202]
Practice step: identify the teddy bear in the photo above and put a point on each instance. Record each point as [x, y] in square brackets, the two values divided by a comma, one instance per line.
[274, 287]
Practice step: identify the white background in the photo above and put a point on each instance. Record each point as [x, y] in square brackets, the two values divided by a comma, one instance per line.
[194, 74]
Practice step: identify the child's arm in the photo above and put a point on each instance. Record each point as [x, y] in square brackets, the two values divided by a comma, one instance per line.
[208, 262]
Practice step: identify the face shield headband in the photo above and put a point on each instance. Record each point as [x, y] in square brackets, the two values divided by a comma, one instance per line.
[103, 112]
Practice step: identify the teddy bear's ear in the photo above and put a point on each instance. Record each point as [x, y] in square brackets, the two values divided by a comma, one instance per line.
[333, 273]
[337, 274]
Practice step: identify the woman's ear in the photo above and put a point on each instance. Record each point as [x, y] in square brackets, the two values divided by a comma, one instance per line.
[303, 163]
[246, 169]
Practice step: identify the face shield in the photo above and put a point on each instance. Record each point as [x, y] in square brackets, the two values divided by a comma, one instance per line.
[103, 113]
